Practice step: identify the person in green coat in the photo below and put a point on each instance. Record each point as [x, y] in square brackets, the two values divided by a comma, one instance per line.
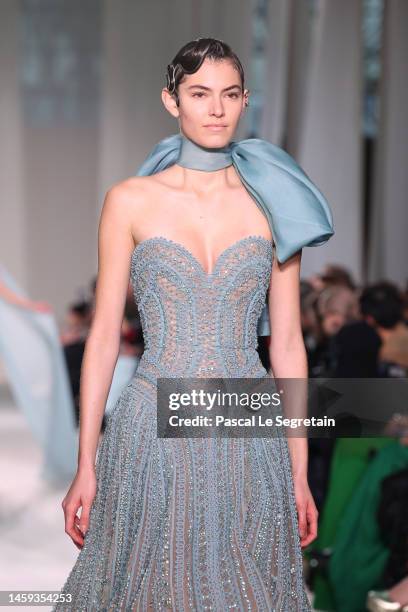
[351, 457]
[359, 553]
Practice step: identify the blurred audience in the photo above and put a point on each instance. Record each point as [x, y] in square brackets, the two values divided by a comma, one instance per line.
[333, 275]
[75, 332]
[382, 306]
[349, 332]
[356, 348]
[77, 322]
[328, 302]
[370, 549]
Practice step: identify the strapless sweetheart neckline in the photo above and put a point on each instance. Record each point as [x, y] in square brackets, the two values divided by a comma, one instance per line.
[193, 258]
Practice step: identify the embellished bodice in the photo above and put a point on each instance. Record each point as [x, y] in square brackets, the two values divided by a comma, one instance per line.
[199, 324]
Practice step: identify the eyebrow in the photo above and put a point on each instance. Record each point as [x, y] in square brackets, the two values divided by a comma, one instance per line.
[209, 88]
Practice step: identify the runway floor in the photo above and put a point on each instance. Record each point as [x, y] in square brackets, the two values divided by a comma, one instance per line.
[36, 553]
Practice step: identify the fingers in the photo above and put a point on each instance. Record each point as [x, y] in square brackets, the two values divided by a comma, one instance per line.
[78, 529]
[71, 524]
[301, 508]
[84, 521]
[311, 519]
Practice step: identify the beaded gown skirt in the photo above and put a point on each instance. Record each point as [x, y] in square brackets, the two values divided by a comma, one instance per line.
[191, 524]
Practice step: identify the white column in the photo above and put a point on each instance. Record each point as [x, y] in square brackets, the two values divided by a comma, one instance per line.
[138, 43]
[299, 42]
[388, 254]
[12, 214]
[329, 146]
[275, 90]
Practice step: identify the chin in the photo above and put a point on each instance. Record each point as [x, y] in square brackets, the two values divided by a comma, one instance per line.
[215, 139]
[207, 138]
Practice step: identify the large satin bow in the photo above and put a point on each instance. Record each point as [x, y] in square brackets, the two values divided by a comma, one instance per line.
[297, 212]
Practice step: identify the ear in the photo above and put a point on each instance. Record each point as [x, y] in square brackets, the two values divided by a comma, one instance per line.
[246, 97]
[169, 102]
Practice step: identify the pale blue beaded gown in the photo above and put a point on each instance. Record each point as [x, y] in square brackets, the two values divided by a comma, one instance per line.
[191, 524]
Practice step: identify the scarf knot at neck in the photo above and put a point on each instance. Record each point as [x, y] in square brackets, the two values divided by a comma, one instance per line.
[297, 212]
[197, 157]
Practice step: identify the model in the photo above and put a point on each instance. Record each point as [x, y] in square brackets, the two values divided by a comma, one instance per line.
[211, 233]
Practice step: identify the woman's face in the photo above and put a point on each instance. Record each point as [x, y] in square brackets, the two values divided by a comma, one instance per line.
[210, 97]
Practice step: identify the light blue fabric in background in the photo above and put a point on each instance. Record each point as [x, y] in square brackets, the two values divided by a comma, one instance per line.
[124, 370]
[36, 370]
[35, 366]
[297, 212]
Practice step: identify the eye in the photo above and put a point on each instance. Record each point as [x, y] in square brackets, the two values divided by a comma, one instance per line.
[198, 94]
[233, 95]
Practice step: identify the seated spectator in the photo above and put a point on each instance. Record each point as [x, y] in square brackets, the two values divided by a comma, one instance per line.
[333, 275]
[356, 346]
[382, 306]
[335, 306]
[360, 553]
[77, 323]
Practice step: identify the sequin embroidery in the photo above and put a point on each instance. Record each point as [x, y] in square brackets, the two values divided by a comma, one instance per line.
[191, 524]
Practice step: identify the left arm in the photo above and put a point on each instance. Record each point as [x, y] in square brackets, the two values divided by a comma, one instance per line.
[288, 360]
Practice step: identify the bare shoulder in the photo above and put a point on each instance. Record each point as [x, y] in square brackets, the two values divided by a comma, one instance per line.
[138, 190]
[131, 191]
[134, 204]
[127, 199]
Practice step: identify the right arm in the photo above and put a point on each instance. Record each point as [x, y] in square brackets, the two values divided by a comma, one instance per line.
[115, 246]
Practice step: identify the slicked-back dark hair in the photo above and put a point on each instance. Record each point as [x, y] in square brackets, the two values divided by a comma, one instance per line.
[191, 56]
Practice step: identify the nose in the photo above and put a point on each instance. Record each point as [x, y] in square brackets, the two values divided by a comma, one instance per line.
[217, 108]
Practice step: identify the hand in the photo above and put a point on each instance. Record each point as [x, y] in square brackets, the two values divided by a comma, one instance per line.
[80, 495]
[307, 511]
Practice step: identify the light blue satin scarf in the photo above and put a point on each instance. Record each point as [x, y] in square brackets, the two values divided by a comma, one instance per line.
[297, 212]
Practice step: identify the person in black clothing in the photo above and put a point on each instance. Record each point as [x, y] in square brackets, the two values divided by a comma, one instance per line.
[382, 306]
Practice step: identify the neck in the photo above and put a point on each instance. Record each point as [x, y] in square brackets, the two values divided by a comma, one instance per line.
[197, 157]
